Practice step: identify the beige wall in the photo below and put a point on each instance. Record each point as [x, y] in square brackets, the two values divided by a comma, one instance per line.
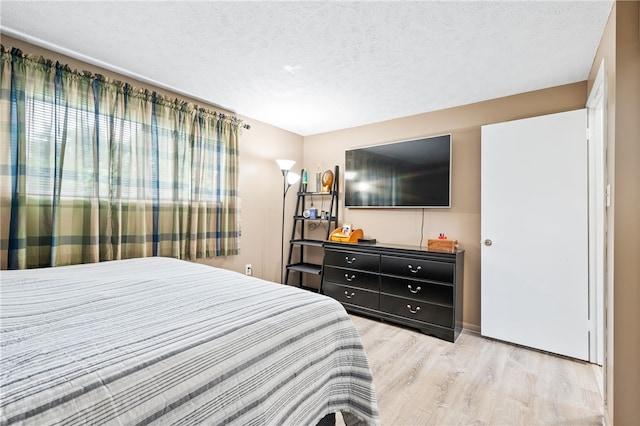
[620, 49]
[626, 228]
[462, 220]
[260, 181]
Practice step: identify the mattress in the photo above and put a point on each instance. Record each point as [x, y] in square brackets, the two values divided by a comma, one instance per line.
[164, 341]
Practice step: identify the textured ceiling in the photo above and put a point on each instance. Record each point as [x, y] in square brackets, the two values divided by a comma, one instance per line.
[312, 67]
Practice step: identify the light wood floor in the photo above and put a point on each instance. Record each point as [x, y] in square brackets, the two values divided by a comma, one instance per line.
[422, 380]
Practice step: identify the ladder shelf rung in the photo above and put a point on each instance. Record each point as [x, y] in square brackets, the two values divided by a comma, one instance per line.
[307, 268]
[302, 194]
[298, 217]
[305, 242]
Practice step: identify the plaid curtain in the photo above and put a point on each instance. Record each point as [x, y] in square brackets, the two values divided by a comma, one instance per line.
[94, 169]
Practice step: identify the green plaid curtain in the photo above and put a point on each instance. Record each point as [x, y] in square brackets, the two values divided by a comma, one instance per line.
[94, 169]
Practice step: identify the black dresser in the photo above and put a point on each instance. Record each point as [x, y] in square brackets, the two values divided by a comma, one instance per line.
[404, 285]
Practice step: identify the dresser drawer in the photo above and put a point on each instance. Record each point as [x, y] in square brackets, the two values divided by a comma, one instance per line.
[353, 278]
[346, 259]
[417, 310]
[417, 268]
[351, 295]
[416, 289]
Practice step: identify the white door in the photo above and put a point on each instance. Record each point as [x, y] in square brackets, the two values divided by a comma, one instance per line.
[534, 277]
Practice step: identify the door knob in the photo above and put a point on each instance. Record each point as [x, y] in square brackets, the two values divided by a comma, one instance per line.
[488, 242]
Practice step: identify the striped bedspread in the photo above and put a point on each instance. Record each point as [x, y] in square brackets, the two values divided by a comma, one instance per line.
[163, 341]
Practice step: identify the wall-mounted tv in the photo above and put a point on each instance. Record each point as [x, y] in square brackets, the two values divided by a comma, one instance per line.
[406, 174]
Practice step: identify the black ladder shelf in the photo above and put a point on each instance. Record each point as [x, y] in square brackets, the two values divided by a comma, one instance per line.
[300, 244]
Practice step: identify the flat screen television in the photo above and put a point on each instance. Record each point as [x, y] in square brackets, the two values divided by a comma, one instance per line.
[406, 174]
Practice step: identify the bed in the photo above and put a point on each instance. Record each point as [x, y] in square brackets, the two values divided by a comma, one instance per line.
[164, 341]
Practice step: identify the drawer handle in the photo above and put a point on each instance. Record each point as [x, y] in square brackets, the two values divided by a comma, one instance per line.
[346, 276]
[414, 271]
[349, 296]
[350, 261]
[414, 291]
[411, 310]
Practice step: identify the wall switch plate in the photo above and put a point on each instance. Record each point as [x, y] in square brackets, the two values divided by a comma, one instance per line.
[248, 270]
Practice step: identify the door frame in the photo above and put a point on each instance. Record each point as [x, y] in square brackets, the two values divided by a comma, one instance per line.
[598, 193]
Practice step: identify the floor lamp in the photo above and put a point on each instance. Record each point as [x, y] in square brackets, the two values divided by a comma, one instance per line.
[289, 178]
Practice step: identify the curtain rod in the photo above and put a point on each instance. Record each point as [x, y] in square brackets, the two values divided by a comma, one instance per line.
[98, 63]
[244, 126]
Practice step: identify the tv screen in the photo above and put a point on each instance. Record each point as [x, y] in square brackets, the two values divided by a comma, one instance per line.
[409, 174]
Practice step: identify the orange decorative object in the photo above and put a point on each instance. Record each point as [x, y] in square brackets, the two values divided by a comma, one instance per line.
[327, 181]
[351, 236]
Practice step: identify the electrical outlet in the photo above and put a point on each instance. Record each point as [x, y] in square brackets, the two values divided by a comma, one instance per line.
[248, 270]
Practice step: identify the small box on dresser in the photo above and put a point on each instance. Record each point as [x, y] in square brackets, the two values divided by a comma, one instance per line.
[442, 245]
[404, 285]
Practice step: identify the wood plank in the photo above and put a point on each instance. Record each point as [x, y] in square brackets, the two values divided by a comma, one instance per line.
[422, 380]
